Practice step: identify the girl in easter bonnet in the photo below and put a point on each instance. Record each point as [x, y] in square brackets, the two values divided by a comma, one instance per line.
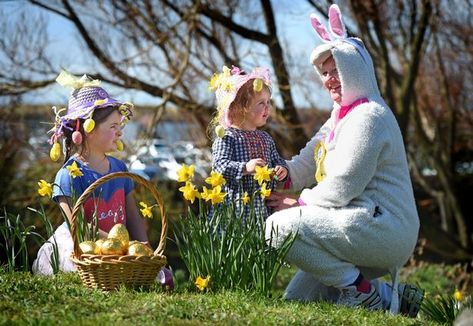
[241, 149]
[87, 131]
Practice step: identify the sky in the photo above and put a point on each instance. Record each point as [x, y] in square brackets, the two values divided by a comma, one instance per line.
[292, 17]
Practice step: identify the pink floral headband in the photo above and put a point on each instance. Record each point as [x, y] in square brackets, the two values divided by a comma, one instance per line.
[227, 84]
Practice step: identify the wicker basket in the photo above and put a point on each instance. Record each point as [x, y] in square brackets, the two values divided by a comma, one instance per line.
[108, 272]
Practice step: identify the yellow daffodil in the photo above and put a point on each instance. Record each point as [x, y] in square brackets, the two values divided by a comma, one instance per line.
[215, 195]
[202, 283]
[226, 71]
[45, 188]
[189, 192]
[245, 198]
[214, 82]
[258, 85]
[185, 173]
[215, 179]
[264, 191]
[262, 174]
[458, 296]
[74, 170]
[205, 193]
[146, 210]
[227, 86]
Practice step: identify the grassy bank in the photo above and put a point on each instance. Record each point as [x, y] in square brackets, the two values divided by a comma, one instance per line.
[28, 299]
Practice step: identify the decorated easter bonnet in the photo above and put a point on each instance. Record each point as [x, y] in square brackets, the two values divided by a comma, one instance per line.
[227, 84]
[86, 97]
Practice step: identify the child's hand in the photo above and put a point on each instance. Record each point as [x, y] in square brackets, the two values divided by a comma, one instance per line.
[280, 172]
[252, 164]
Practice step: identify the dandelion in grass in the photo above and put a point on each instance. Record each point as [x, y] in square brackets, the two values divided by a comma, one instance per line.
[245, 198]
[45, 188]
[265, 192]
[189, 192]
[215, 195]
[215, 179]
[202, 283]
[262, 174]
[185, 173]
[74, 170]
[146, 210]
[458, 296]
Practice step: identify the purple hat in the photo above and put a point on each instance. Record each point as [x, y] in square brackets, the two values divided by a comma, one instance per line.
[85, 98]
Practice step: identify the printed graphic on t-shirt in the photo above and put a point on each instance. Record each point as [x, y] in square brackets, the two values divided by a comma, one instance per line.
[108, 212]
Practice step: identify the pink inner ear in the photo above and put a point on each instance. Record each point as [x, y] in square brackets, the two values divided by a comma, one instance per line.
[320, 29]
[335, 21]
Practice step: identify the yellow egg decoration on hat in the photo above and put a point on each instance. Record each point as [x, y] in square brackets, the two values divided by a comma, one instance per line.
[119, 231]
[258, 85]
[220, 131]
[55, 152]
[89, 125]
[88, 247]
[119, 145]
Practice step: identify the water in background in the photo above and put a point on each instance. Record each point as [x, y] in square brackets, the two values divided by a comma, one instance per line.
[171, 145]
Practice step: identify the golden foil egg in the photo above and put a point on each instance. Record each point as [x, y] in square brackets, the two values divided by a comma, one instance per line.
[139, 249]
[88, 247]
[112, 246]
[119, 231]
[98, 245]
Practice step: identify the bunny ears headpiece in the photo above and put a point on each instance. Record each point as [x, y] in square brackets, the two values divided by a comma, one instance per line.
[336, 34]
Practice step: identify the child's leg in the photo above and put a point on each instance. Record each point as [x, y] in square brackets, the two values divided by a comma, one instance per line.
[62, 239]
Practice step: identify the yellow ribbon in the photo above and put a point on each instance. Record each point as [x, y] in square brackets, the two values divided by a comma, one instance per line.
[66, 79]
[319, 157]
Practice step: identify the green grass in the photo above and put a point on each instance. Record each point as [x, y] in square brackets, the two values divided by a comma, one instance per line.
[63, 300]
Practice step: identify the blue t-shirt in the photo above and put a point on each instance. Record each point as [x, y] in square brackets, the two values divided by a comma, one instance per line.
[108, 200]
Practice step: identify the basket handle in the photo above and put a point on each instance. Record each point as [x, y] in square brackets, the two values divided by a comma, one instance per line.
[102, 180]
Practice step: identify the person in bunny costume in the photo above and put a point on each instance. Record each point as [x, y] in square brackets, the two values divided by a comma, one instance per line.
[359, 221]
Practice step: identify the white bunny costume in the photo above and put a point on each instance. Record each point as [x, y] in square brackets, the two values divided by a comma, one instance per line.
[361, 215]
